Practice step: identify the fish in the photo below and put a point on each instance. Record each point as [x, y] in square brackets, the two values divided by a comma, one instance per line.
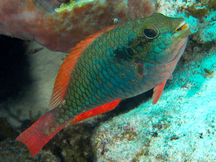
[116, 63]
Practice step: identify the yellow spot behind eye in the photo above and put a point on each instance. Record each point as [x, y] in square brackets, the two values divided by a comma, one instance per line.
[185, 26]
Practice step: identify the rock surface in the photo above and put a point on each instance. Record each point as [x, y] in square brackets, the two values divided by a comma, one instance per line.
[61, 30]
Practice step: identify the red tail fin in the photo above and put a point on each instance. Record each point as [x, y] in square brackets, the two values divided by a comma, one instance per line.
[36, 136]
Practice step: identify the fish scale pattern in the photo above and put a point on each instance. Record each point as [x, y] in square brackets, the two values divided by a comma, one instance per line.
[99, 76]
[108, 70]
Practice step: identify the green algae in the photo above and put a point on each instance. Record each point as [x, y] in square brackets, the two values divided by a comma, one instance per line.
[197, 12]
[200, 11]
[208, 71]
[211, 4]
[70, 5]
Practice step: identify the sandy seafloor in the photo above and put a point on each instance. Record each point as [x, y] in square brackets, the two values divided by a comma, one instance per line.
[180, 127]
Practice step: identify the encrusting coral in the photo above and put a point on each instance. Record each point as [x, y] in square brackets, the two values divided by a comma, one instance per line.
[59, 28]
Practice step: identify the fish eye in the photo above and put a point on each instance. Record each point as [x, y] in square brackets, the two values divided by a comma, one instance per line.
[150, 31]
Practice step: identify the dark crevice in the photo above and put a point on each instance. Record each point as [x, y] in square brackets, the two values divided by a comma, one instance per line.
[14, 67]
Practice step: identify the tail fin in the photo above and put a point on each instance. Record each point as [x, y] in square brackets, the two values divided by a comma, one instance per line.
[36, 136]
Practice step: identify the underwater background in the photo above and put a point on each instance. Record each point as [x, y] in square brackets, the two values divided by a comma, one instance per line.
[180, 127]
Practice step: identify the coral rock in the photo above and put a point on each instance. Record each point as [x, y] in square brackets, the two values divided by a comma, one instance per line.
[62, 29]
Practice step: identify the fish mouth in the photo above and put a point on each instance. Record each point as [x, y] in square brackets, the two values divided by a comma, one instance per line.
[180, 40]
[182, 26]
[182, 30]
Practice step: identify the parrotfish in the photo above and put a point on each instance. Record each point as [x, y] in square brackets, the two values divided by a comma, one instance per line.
[116, 63]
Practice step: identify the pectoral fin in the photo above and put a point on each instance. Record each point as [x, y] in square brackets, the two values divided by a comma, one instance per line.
[157, 92]
[171, 77]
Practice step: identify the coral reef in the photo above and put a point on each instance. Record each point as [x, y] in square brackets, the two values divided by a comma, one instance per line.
[206, 33]
[61, 29]
[199, 14]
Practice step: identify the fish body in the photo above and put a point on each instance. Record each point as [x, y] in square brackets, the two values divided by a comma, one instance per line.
[116, 63]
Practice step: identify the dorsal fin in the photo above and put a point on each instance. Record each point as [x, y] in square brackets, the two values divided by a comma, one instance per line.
[96, 111]
[66, 68]
[157, 92]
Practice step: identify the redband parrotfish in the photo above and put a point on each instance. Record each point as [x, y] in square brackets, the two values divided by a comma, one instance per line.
[116, 63]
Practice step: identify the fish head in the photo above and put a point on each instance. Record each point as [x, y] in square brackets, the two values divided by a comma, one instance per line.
[160, 39]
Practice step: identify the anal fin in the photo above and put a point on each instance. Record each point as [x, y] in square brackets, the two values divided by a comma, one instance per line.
[96, 111]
